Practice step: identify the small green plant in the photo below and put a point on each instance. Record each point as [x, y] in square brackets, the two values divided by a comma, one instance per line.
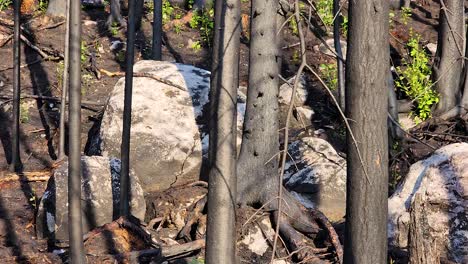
[405, 15]
[293, 26]
[42, 6]
[167, 10]
[204, 20]
[197, 261]
[325, 11]
[84, 52]
[344, 25]
[296, 58]
[329, 75]
[120, 56]
[196, 46]
[114, 29]
[24, 111]
[414, 78]
[59, 70]
[4, 4]
[149, 5]
[177, 28]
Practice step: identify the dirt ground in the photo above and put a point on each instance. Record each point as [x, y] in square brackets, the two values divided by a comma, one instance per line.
[42, 76]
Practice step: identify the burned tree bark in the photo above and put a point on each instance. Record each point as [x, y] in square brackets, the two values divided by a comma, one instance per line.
[222, 187]
[127, 113]
[74, 164]
[367, 106]
[157, 30]
[449, 57]
[257, 166]
[15, 164]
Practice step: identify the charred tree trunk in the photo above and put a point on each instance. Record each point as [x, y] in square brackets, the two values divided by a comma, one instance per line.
[257, 165]
[339, 61]
[222, 187]
[367, 106]
[260, 133]
[449, 57]
[74, 164]
[15, 164]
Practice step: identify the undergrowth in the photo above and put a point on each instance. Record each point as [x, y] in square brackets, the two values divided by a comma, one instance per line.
[204, 21]
[414, 78]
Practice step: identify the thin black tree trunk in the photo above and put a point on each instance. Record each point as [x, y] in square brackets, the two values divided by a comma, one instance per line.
[449, 57]
[367, 106]
[157, 30]
[15, 164]
[222, 187]
[74, 164]
[127, 112]
[339, 61]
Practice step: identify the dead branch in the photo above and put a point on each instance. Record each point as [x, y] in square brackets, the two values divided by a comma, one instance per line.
[51, 26]
[37, 49]
[144, 75]
[176, 250]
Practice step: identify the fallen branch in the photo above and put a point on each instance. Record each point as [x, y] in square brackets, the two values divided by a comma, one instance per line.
[144, 75]
[176, 250]
[23, 65]
[51, 26]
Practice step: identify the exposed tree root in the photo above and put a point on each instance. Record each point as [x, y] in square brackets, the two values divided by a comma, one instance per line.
[195, 214]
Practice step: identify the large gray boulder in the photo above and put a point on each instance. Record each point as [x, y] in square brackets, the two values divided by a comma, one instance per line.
[441, 182]
[316, 176]
[100, 197]
[165, 148]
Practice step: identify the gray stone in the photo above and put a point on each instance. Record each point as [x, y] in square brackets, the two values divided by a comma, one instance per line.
[165, 145]
[285, 92]
[100, 197]
[331, 44]
[442, 182]
[316, 176]
[169, 134]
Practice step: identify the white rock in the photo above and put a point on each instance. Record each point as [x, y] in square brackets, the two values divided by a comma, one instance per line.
[331, 43]
[317, 176]
[442, 180]
[285, 92]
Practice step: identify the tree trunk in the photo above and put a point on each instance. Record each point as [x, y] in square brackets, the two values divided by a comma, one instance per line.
[450, 50]
[366, 108]
[260, 133]
[222, 187]
[57, 8]
[422, 246]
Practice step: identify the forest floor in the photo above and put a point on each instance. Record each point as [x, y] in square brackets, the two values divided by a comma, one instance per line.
[103, 55]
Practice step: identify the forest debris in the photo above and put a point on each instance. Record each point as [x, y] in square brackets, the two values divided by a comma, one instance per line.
[32, 176]
[176, 250]
[38, 50]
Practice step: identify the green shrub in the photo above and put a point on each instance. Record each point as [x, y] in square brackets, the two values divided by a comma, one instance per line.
[414, 78]
[4, 4]
[325, 11]
[204, 21]
[167, 10]
[329, 75]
